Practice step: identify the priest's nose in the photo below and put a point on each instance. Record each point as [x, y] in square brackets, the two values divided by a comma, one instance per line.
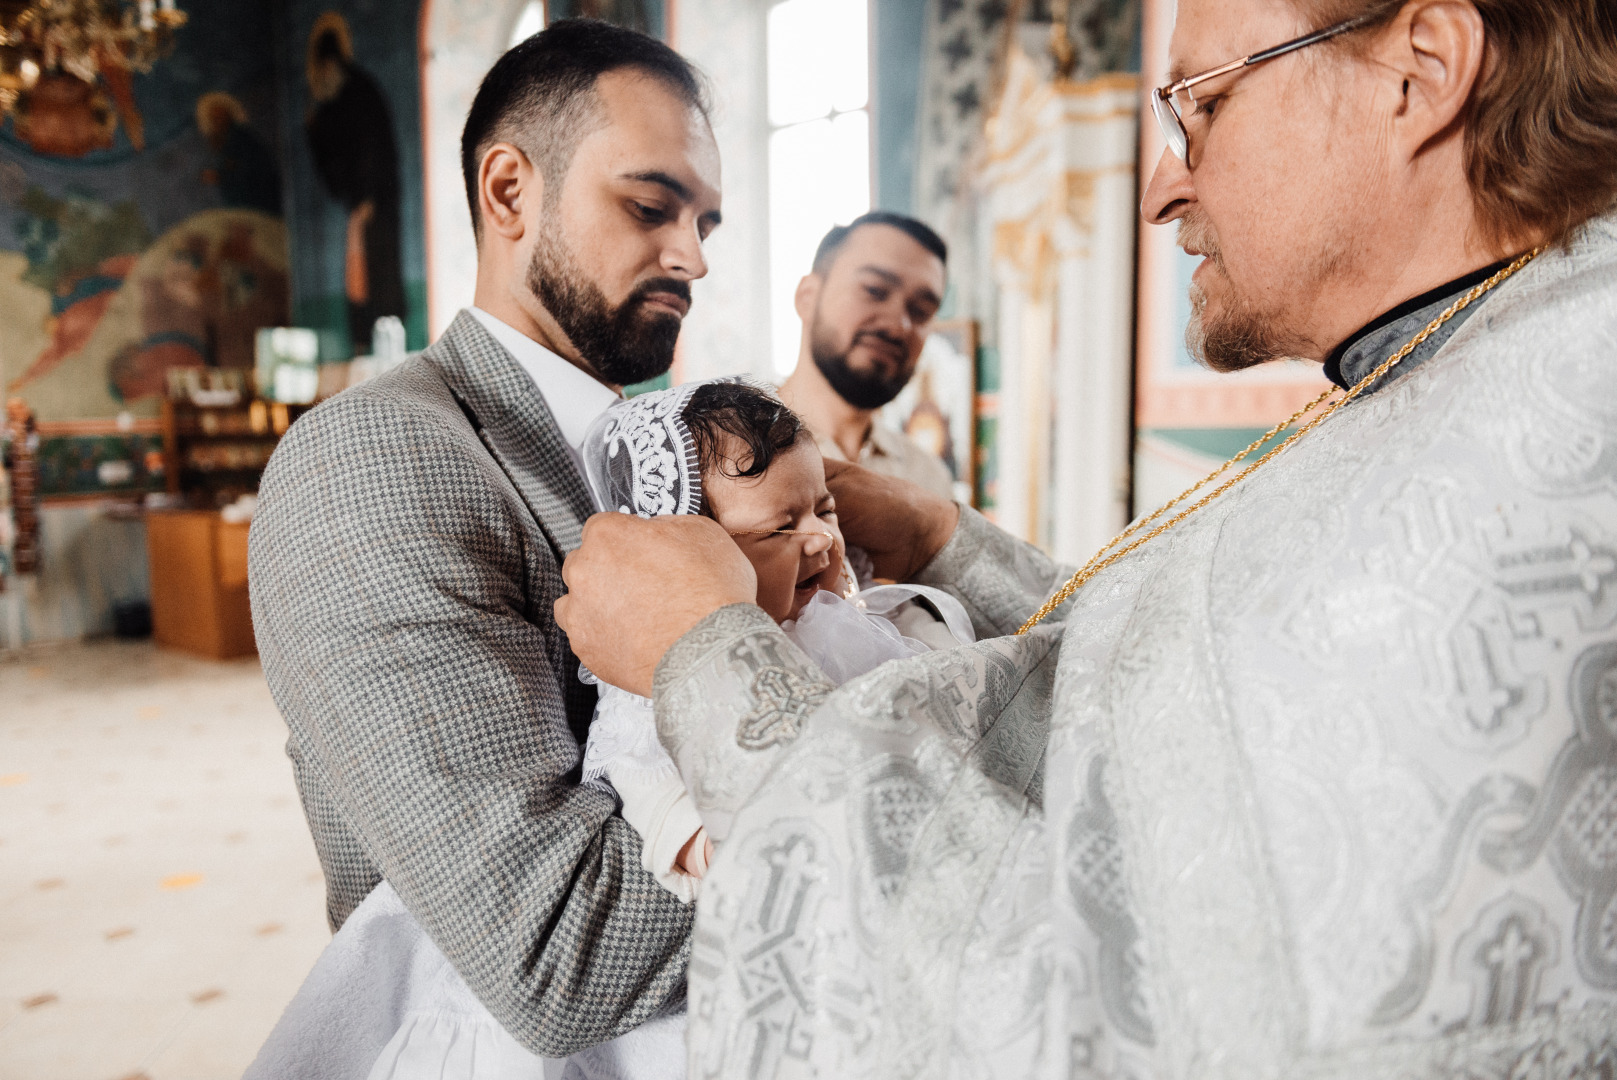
[1170, 193]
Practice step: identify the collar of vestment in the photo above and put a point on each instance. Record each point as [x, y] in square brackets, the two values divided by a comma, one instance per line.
[1369, 347]
[574, 397]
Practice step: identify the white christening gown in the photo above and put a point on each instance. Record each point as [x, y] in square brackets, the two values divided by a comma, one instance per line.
[383, 1003]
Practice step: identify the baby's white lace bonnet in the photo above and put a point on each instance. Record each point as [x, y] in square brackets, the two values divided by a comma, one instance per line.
[640, 458]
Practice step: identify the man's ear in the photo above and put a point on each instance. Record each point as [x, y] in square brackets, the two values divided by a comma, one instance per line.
[1438, 47]
[506, 183]
[807, 296]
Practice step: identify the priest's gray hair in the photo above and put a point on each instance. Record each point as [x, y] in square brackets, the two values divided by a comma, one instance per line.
[1541, 135]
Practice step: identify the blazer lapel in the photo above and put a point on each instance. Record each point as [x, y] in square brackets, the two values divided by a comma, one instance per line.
[518, 428]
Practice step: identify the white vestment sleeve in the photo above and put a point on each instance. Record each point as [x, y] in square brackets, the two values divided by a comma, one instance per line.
[858, 828]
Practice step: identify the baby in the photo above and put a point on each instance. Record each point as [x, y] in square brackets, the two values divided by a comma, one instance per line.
[725, 449]
[731, 451]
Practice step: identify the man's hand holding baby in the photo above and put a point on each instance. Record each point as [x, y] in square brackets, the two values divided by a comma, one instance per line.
[636, 585]
[901, 527]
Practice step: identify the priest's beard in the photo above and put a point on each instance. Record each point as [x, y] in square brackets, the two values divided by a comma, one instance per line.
[862, 389]
[623, 344]
[1244, 335]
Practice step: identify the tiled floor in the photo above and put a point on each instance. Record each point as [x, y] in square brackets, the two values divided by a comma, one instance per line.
[160, 900]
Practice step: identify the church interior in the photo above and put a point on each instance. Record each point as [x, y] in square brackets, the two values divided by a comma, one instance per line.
[259, 205]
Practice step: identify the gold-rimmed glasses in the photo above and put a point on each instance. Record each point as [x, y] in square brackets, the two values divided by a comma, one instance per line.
[1170, 110]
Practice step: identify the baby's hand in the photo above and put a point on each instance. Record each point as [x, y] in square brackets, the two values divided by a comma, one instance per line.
[695, 856]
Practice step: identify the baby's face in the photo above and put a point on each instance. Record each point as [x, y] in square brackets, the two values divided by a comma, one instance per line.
[785, 522]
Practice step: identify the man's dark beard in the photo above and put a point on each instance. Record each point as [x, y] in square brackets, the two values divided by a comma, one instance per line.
[862, 389]
[622, 345]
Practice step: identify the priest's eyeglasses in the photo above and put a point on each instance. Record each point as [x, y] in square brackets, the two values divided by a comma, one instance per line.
[1171, 102]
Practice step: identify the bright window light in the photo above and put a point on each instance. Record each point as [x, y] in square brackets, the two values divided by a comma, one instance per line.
[819, 148]
[529, 23]
[818, 59]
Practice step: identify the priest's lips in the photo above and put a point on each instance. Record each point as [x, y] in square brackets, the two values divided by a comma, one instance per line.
[1195, 252]
[1197, 239]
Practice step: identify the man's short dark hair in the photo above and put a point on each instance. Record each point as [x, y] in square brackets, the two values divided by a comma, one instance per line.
[541, 95]
[738, 429]
[918, 231]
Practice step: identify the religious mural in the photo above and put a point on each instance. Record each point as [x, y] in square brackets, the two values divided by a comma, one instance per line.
[350, 90]
[141, 226]
[141, 230]
[351, 141]
[966, 81]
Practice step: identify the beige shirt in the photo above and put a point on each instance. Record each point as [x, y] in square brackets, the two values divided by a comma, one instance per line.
[891, 454]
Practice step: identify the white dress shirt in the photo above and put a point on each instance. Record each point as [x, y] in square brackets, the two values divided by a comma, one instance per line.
[573, 396]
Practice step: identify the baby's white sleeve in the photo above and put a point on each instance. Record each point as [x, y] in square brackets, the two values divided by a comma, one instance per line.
[622, 747]
[662, 812]
[915, 621]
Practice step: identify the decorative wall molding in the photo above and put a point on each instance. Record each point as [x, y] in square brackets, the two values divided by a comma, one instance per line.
[1059, 191]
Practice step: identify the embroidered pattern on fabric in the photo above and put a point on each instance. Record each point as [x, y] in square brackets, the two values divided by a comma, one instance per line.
[1095, 877]
[783, 700]
[1576, 817]
[895, 803]
[1491, 796]
[1582, 569]
[1503, 956]
[783, 694]
[755, 954]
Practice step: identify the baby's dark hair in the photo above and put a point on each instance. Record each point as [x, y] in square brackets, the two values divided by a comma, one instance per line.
[721, 415]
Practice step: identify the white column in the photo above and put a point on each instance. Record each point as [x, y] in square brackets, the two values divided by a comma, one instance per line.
[727, 330]
[459, 42]
[1093, 371]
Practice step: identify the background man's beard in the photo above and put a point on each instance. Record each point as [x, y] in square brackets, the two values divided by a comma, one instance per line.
[623, 344]
[862, 389]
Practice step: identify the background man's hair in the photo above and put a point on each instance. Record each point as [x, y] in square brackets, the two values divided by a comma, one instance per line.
[1541, 137]
[738, 429]
[918, 231]
[541, 95]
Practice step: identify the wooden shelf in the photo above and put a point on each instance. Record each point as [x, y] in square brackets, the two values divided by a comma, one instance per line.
[212, 453]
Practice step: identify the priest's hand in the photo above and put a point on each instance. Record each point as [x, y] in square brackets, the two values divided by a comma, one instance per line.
[636, 585]
[901, 526]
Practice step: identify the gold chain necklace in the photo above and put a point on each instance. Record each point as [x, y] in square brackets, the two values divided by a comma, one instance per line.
[1111, 553]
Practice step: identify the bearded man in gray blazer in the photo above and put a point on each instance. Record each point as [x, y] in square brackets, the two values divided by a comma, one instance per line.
[408, 548]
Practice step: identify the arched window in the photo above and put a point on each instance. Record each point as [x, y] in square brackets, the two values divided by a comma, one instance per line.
[819, 143]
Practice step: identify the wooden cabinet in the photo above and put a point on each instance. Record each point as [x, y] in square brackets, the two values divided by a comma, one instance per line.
[199, 583]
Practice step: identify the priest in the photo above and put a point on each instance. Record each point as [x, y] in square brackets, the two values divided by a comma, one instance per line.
[1312, 775]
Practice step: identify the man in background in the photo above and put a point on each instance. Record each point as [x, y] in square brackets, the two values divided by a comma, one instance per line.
[867, 307]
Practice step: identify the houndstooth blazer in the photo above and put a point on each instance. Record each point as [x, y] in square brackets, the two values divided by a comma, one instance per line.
[403, 563]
